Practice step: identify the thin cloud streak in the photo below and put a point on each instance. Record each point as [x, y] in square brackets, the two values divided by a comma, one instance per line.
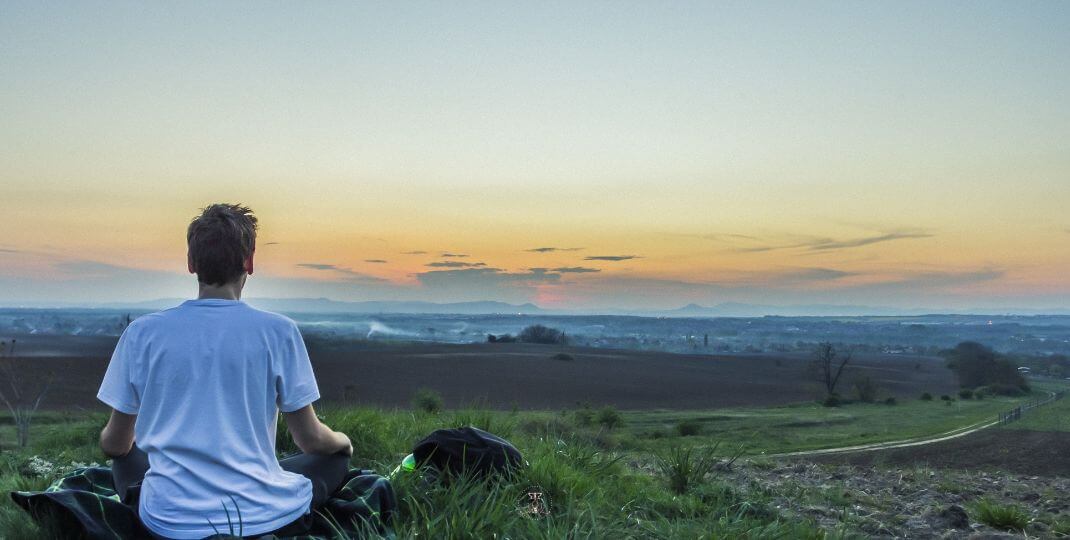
[454, 264]
[349, 274]
[857, 242]
[552, 249]
[827, 244]
[567, 270]
[611, 257]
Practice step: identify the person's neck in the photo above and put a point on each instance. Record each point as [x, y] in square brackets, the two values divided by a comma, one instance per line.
[229, 291]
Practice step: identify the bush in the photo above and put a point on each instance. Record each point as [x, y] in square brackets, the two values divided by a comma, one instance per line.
[608, 417]
[890, 401]
[684, 467]
[538, 333]
[688, 428]
[584, 416]
[832, 400]
[1000, 390]
[926, 397]
[1009, 517]
[504, 338]
[965, 393]
[427, 400]
[945, 397]
[554, 425]
[565, 357]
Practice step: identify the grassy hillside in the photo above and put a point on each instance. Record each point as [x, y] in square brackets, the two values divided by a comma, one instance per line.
[606, 473]
[1051, 417]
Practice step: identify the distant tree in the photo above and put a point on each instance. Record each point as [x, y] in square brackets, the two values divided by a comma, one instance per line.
[538, 333]
[977, 365]
[828, 364]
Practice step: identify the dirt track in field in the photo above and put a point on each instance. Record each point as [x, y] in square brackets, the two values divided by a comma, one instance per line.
[502, 375]
[1040, 453]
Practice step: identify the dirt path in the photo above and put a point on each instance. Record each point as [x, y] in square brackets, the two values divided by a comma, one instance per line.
[905, 443]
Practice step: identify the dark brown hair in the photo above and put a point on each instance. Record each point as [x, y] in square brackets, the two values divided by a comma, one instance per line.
[219, 240]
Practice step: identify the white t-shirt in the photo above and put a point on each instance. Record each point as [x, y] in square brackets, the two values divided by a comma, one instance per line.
[206, 380]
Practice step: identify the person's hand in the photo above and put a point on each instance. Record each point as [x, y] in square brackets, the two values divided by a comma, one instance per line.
[348, 450]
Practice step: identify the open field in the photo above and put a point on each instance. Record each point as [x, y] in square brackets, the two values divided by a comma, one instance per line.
[810, 426]
[387, 374]
[599, 432]
[606, 479]
[1035, 445]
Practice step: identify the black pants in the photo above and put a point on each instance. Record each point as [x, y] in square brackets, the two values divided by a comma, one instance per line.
[326, 473]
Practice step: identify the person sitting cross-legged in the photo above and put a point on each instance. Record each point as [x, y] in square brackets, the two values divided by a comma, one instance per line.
[196, 392]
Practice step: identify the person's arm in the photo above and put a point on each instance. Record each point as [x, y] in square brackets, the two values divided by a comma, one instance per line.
[119, 391]
[313, 437]
[117, 437]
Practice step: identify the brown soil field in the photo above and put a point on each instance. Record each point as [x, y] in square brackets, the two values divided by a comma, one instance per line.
[527, 376]
[1040, 453]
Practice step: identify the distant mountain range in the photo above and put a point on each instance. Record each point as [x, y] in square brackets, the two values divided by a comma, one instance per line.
[727, 309]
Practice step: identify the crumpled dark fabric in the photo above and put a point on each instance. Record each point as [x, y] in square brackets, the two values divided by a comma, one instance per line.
[467, 450]
[84, 504]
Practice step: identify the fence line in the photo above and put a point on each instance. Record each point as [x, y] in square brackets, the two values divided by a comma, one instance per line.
[1016, 413]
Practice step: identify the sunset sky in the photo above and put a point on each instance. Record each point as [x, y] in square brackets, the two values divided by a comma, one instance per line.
[578, 155]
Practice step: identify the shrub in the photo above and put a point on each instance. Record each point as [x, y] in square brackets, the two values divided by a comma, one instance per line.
[1010, 517]
[584, 415]
[688, 428]
[555, 426]
[832, 400]
[890, 401]
[538, 333]
[1000, 390]
[945, 397]
[926, 397]
[965, 393]
[504, 338]
[427, 400]
[608, 417]
[684, 467]
[564, 357]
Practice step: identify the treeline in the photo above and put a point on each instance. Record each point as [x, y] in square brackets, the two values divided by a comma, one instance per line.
[535, 333]
[980, 368]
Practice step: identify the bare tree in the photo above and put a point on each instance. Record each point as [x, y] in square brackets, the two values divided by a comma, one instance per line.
[20, 400]
[829, 363]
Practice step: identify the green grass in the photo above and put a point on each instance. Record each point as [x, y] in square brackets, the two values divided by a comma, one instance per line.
[1007, 517]
[1052, 417]
[810, 426]
[627, 474]
[593, 491]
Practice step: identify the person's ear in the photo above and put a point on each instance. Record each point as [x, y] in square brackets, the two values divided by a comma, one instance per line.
[249, 263]
[189, 264]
